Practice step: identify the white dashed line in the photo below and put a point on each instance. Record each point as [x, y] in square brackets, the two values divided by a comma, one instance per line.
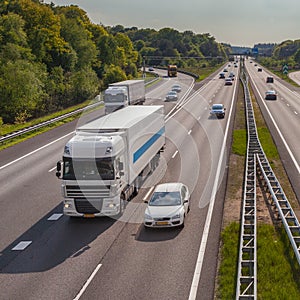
[190, 132]
[148, 193]
[175, 154]
[88, 282]
[21, 246]
[55, 217]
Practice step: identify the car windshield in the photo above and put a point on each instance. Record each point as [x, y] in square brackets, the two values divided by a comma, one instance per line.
[165, 199]
[217, 106]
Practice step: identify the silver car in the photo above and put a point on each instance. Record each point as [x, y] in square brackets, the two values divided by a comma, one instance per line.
[172, 96]
[168, 205]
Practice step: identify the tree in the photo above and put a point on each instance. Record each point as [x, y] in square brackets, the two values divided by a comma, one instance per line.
[21, 90]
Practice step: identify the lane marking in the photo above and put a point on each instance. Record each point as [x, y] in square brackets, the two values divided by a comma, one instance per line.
[148, 193]
[36, 150]
[88, 282]
[52, 169]
[279, 132]
[190, 132]
[295, 113]
[175, 154]
[202, 248]
[55, 217]
[21, 246]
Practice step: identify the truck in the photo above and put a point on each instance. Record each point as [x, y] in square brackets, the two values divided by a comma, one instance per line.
[124, 93]
[172, 71]
[106, 161]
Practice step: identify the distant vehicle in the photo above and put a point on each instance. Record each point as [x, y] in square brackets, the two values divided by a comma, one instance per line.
[176, 88]
[235, 65]
[228, 81]
[172, 70]
[151, 69]
[124, 93]
[231, 75]
[255, 65]
[218, 110]
[259, 69]
[270, 79]
[225, 70]
[168, 205]
[271, 95]
[222, 75]
[172, 96]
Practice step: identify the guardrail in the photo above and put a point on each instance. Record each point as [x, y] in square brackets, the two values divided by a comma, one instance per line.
[37, 126]
[257, 163]
[34, 127]
[247, 265]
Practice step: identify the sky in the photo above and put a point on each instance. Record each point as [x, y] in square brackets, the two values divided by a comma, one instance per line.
[236, 22]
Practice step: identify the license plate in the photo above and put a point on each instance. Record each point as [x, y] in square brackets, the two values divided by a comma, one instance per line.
[89, 215]
[162, 223]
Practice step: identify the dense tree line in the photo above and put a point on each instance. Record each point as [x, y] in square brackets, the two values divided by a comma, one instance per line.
[52, 57]
[285, 53]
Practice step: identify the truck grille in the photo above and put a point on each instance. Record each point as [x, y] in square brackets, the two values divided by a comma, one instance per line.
[91, 191]
[85, 206]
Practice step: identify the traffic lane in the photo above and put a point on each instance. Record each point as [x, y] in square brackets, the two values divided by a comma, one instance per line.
[155, 263]
[285, 116]
[285, 91]
[283, 125]
[28, 190]
[59, 260]
[54, 254]
[133, 276]
[21, 149]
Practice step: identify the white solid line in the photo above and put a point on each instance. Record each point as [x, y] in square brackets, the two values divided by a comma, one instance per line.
[55, 217]
[36, 150]
[52, 169]
[148, 193]
[175, 154]
[87, 282]
[200, 258]
[279, 132]
[21, 246]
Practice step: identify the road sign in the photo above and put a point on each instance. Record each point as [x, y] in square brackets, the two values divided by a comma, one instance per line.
[285, 69]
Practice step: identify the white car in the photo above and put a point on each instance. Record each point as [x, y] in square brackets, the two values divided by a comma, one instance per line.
[228, 81]
[168, 205]
[172, 96]
[176, 88]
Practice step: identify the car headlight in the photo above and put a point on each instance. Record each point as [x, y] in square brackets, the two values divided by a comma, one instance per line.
[177, 216]
[148, 217]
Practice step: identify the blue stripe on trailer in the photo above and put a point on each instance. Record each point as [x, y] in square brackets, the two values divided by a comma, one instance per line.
[138, 153]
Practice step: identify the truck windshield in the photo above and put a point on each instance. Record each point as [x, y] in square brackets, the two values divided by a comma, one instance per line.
[88, 169]
[114, 98]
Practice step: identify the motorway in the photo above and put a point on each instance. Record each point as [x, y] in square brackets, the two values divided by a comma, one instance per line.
[282, 117]
[108, 259]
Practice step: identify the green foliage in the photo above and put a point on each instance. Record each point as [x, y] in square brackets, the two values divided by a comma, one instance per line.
[239, 143]
[52, 56]
[229, 257]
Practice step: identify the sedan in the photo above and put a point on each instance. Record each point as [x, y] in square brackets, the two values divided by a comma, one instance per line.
[168, 205]
[271, 95]
[176, 88]
[228, 81]
[172, 96]
[218, 110]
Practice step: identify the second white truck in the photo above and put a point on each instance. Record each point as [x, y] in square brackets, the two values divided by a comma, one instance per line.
[121, 94]
[106, 161]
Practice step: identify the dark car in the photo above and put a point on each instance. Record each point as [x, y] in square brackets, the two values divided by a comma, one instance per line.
[259, 69]
[270, 79]
[271, 95]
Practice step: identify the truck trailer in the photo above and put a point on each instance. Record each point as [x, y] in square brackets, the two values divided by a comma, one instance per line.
[124, 93]
[105, 162]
